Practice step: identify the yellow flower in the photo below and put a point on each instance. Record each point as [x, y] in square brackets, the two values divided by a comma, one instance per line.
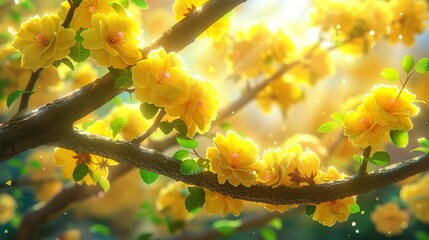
[416, 195]
[200, 108]
[307, 165]
[409, 18]
[162, 79]
[183, 8]
[389, 109]
[389, 219]
[216, 202]
[276, 166]
[234, 159]
[283, 92]
[7, 208]
[42, 41]
[84, 74]
[279, 208]
[136, 124]
[171, 202]
[113, 41]
[331, 175]
[98, 165]
[328, 213]
[362, 129]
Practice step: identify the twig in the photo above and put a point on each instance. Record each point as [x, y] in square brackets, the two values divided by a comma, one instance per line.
[152, 128]
[70, 13]
[363, 166]
[23, 105]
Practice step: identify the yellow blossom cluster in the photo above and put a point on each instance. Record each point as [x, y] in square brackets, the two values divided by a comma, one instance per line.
[164, 80]
[385, 108]
[235, 160]
[360, 24]
[183, 8]
[82, 17]
[99, 166]
[389, 219]
[42, 40]
[258, 50]
[171, 202]
[416, 195]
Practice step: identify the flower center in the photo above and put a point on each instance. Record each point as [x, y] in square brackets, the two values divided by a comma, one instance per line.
[389, 105]
[163, 77]
[83, 158]
[41, 39]
[200, 105]
[234, 161]
[364, 123]
[117, 38]
[92, 6]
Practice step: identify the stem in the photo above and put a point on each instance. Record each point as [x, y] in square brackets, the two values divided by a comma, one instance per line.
[152, 128]
[405, 83]
[23, 105]
[70, 13]
[366, 154]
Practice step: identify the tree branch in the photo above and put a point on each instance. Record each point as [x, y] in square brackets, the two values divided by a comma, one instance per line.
[154, 161]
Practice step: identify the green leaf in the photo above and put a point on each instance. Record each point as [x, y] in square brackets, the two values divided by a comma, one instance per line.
[390, 74]
[420, 235]
[338, 116]
[407, 63]
[358, 158]
[14, 162]
[78, 52]
[267, 233]
[80, 172]
[142, 4]
[420, 149]
[35, 164]
[309, 210]
[423, 142]
[100, 229]
[118, 9]
[13, 96]
[226, 227]
[87, 124]
[144, 236]
[226, 126]
[124, 3]
[190, 167]
[95, 175]
[180, 126]
[381, 159]
[104, 183]
[117, 125]
[186, 142]
[68, 63]
[16, 16]
[148, 177]
[181, 154]
[148, 110]
[3, 84]
[354, 208]
[195, 200]
[276, 223]
[328, 127]
[27, 5]
[124, 80]
[399, 138]
[166, 127]
[422, 65]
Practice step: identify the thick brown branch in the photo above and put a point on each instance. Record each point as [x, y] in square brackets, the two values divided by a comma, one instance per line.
[154, 161]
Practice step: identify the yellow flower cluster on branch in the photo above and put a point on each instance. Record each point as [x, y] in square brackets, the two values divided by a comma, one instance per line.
[385, 109]
[219, 203]
[416, 195]
[42, 40]
[389, 219]
[171, 202]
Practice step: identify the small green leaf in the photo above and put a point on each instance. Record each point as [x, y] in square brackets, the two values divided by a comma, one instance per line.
[68, 63]
[144, 236]
[180, 126]
[13, 96]
[328, 127]
[117, 125]
[186, 142]
[181, 154]
[173, 226]
[276, 223]
[104, 183]
[95, 175]
[195, 200]
[390, 74]
[420, 235]
[166, 127]
[267, 233]
[87, 123]
[100, 229]
[124, 80]
[80, 172]
[354, 208]
[358, 158]
[381, 159]
[309, 210]
[27, 5]
[399, 138]
[142, 4]
[148, 110]
[226, 126]
[78, 52]
[422, 65]
[190, 167]
[423, 142]
[124, 3]
[338, 116]
[118, 9]
[148, 177]
[420, 149]
[226, 227]
[35, 164]
[407, 63]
